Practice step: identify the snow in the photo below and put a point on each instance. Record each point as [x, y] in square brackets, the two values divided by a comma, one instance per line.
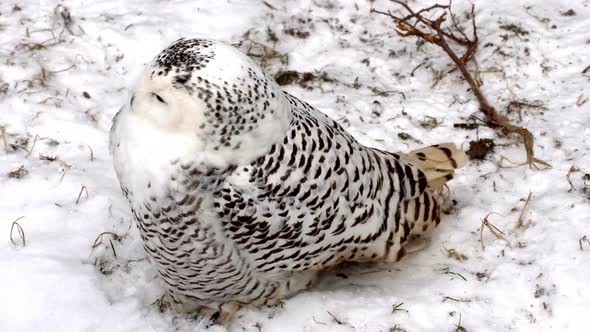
[60, 98]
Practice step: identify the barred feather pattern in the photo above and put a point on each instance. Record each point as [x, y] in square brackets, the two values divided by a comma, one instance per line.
[256, 228]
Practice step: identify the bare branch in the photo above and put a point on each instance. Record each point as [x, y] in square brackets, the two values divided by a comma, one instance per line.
[432, 31]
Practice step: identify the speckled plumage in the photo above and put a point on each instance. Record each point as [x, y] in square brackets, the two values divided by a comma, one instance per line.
[242, 192]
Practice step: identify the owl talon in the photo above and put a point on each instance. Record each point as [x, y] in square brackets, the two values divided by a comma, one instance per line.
[223, 314]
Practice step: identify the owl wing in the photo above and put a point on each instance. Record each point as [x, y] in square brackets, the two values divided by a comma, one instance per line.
[316, 198]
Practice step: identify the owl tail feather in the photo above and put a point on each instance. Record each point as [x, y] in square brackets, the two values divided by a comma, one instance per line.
[438, 162]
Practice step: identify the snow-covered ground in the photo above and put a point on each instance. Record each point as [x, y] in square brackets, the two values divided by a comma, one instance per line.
[63, 77]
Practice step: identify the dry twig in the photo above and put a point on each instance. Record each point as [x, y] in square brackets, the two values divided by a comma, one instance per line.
[415, 24]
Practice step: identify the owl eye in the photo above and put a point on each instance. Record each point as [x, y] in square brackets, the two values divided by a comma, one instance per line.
[160, 99]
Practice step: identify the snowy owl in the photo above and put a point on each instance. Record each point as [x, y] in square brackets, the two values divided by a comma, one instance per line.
[243, 193]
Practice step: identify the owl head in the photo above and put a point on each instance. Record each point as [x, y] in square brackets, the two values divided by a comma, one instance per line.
[214, 93]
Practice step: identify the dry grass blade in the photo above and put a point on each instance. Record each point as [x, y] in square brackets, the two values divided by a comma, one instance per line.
[82, 189]
[98, 241]
[64, 13]
[373, 271]
[339, 322]
[20, 231]
[269, 5]
[91, 153]
[459, 327]
[584, 187]
[73, 65]
[518, 106]
[262, 52]
[113, 248]
[416, 24]
[318, 322]
[582, 239]
[493, 229]
[398, 307]
[456, 254]
[161, 303]
[30, 151]
[455, 300]
[4, 138]
[520, 223]
[572, 170]
[18, 173]
[448, 271]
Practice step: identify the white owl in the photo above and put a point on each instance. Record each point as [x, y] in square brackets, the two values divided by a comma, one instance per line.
[242, 193]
